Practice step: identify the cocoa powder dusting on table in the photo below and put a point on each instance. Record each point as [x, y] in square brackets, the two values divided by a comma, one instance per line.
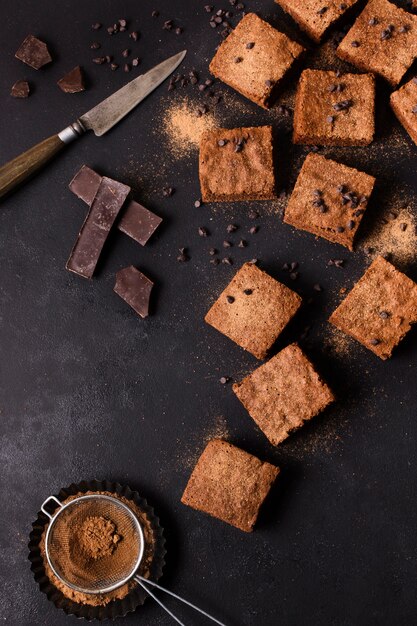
[183, 123]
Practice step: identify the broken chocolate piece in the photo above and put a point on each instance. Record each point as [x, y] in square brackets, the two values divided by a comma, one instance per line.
[85, 184]
[139, 223]
[104, 209]
[73, 82]
[33, 52]
[136, 222]
[20, 89]
[134, 288]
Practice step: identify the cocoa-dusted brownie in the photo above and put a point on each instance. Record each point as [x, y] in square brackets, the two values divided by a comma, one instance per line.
[404, 105]
[382, 40]
[329, 199]
[316, 16]
[253, 310]
[283, 393]
[237, 164]
[334, 110]
[230, 484]
[380, 309]
[254, 58]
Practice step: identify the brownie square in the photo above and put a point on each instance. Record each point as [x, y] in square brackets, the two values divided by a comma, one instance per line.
[404, 105]
[314, 16]
[254, 58]
[253, 310]
[382, 40]
[329, 199]
[237, 164]
[334, 110]
[283, 393]
[230, 484]
[380, 309]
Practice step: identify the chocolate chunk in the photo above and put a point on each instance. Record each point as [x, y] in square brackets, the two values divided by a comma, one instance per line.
[73, 82]
[138, 222]
[20, 89]
[33, 52]
[135, 289]
[230, 299]
[105, 207]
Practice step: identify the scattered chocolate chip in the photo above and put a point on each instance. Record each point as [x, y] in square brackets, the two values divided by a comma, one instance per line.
[134, 35]
[227, 261]
[95, 45]
[242, 244]
[197, 204]
[224, 380]
[238, 59]
[253, 261]
[384, 314]
[183, 256]
[227, 244]
[126, 53]
[126, 67]
[99, 60]
[340, 229]
[20, 89]
[113, 66]
[96, 26]
[155, 13]
[230, 299]
[212, 251]
[373, 21]
[322, 11]
[248, 292]
[294, 265]
[355, 44]
[375, 342]
[203, 232]
[336, 262]
[168, 25]
[253, 215]
[269, 83]
[253, 230]
[404, 29]
[294, 275]
[178, 30]
[386, 34]
[351, 225]
[317, 287]
[250, 45]
[330, 119]
[208, 8]
[231, 228]
[403, 227]
[222, 142]
[168, 191]
[135, 61]
[343, 105]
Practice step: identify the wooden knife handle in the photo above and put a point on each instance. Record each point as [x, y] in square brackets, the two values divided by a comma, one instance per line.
[23, 166]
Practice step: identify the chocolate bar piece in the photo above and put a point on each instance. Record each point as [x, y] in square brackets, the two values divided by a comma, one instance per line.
[20, 89]
[73, 82]
[134, 288]
[136, 221]
[103, 212]
[33, 52]
[139, 223]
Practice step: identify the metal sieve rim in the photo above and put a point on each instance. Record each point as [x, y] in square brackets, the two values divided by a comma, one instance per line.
[54, 516]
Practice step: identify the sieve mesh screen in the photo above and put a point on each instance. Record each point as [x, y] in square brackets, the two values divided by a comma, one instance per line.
[94, 544]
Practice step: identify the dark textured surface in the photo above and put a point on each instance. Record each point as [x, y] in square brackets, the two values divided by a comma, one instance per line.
[90, 390]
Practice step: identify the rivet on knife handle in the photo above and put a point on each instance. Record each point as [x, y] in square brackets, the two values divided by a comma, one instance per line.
[20, 168]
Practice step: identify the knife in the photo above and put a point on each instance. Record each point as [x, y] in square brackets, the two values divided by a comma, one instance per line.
[100, 119]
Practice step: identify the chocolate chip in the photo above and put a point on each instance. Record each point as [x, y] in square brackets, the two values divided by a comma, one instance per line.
[336, 262]
[183, 256]
[384, 314]
[168, 24]
[126, 53]
[269, 83]
[332, 88]
[113, 66]
[135, 61]
[340, 229]
[253, 230]
[96, 26]
[168, 191]
[212, 251]
[222, 142]
[317, 287]
[208, 8]
[373, 21]
[227, 244]
[343, 105]
[214, 261]
[294, 265]
[224, 380]
[355, 44]
[99, 60]
[155, 13]
[404, 29]
[126, 67]
[178, 30]
[386, 34]
[322, 11]
[414, 109]
[253, 215]
[203, 232]
[231, 228]
[134, 35]
[95, 45]
[238, 59]
[294, 275]
[403, 227]
[238, 147]
[230, 299]
[248, 292]
[197, 204]
[242, 244]
[343, 6]
[375, 342]
[250, 45]
[227, 260]
[350, 225]
[330, 119]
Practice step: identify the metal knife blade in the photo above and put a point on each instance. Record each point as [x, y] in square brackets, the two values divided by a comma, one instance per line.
[105, 115]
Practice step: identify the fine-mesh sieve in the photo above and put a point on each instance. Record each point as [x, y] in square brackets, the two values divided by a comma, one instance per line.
[118, 565]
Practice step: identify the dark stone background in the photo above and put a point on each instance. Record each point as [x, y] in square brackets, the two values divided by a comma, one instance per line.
[90, 390]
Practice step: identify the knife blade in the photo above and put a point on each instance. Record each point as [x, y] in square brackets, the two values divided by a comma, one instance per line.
[100, 119]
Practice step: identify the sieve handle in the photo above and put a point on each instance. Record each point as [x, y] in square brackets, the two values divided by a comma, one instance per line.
[47, 502]
[141, 581]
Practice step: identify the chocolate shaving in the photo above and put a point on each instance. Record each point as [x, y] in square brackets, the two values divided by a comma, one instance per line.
[134, 288]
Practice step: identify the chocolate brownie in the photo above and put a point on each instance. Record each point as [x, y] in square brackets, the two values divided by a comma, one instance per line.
[230, 484]
[404, 105]
[283, 393]
[334, 110]
[380, 309]
[329, 199]
[253, 310]
[254, 58]
[382, 40]
[237, 164]
[316, 16]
